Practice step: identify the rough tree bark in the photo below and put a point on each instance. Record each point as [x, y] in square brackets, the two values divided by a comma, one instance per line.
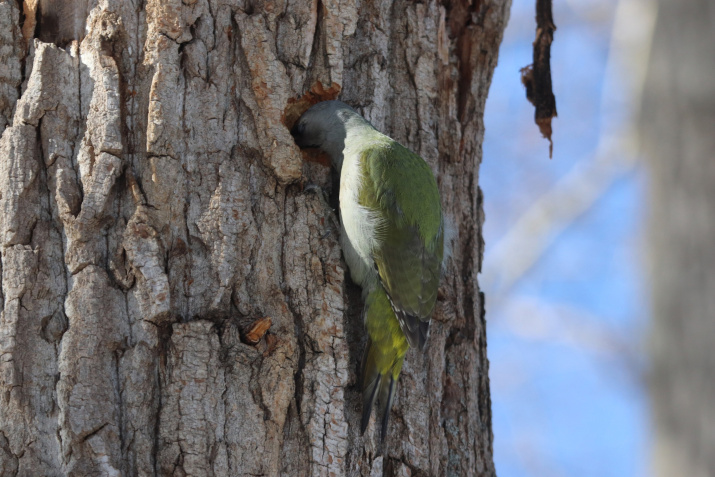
[153, 207]
[678, 121]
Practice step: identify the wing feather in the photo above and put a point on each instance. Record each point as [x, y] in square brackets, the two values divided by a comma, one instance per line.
[408, 250]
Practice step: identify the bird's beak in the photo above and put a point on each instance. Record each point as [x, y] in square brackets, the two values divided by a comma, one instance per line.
[297, 131]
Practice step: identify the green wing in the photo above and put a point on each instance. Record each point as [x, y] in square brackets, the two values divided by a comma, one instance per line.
[408, 254]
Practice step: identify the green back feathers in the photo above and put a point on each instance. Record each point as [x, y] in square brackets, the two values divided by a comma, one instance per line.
[399, 185]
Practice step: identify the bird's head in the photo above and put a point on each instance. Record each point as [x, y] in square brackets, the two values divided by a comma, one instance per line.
[325, 126]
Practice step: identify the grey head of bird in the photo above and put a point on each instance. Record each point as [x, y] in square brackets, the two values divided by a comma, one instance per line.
[325, 126]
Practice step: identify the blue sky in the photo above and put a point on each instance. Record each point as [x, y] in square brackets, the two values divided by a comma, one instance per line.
[565, 333]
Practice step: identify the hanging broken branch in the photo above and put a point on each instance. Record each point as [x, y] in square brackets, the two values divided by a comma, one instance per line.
[537, 76]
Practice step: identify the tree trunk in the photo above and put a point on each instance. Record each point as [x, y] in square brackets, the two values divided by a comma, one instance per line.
[153, 208]
[677, 121]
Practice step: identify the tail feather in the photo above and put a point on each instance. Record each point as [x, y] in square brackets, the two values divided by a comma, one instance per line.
[377, 387]
[369, 389]
[383, 357]
[386, 403]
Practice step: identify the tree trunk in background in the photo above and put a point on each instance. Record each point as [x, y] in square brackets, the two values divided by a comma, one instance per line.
[678, 122]
[153, 208]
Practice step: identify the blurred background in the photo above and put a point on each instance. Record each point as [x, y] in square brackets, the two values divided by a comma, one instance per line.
[566, 296]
